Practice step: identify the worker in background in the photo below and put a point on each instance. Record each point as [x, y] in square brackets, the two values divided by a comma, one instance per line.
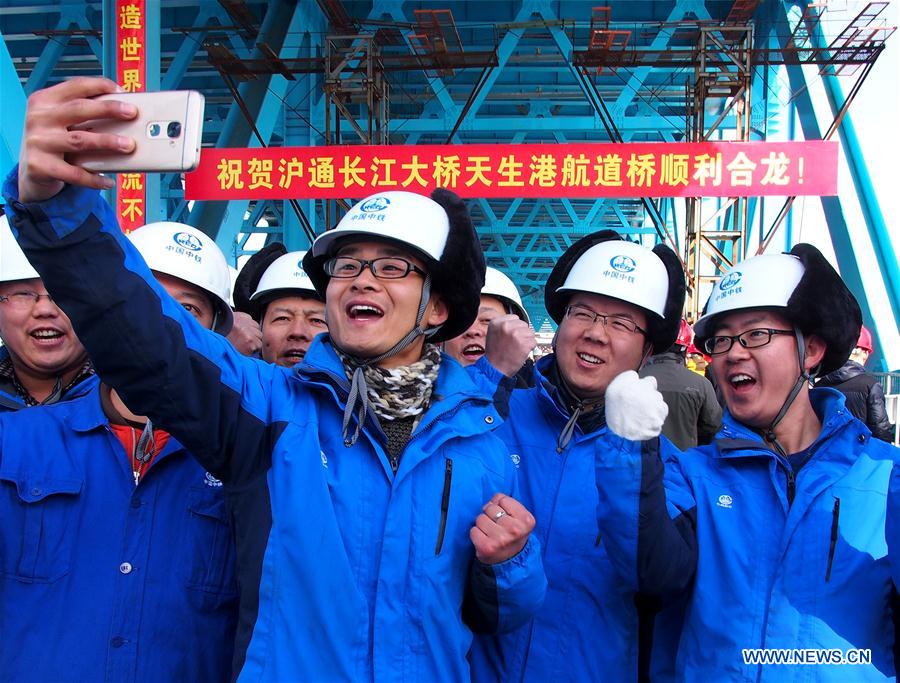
[117, 558]
[615, 302]
[275, 291]
[374, 509]
[694, 413]
[41, 361]
[775, 532]
[864, 393]
[696, 360]
[501, 304]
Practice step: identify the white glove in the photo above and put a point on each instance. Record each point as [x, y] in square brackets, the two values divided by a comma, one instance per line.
[635, 410]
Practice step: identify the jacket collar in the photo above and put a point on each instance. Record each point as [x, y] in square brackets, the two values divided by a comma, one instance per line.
[85, 414]
[554, 399]
[737, 440]
[322, 367]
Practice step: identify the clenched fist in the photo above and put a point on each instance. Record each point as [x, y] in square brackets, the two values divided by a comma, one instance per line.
[509, 341]
[245, 335]
[501, 530]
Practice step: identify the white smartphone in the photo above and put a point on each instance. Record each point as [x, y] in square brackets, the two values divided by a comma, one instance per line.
[168, 131]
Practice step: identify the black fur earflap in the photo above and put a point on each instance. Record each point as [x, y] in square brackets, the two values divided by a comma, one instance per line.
[248, 279]
[459, 276]
[822, 305]
[663, 333]
[555, 302]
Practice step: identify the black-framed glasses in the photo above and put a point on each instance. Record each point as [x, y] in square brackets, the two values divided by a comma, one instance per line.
[384, 268]
[24, 299]
[751, 339]
[585, 317]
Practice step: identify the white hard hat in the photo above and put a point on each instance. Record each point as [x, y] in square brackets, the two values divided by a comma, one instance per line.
[187, 253]
[406, 217]
[285, 273]
[13, 264]
[499, 286]
[765, 281]
[621, 270]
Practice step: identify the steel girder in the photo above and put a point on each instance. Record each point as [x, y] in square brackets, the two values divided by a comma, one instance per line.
[852, 245]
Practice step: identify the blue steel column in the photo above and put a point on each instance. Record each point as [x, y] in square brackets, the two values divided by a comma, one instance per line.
[862, 181]
[153, 209]
[263, 97]
[12, 113]
[831, 206]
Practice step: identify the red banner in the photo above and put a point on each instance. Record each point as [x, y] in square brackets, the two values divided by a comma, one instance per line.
[131, 74]
[710, 169]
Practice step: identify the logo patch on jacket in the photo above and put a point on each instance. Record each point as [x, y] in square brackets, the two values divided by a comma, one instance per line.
[324, 459]
[724, 501]
[210, 480]
[515, 458]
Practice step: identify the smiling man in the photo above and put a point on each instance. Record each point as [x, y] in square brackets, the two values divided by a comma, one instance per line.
[125, 517]
[374, 510]
[499, 297]
[615, 302]
[782, 518]
[42, 361]
[274, 290]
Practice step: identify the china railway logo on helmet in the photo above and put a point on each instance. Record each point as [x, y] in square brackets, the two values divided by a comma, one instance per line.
[730, 281]
[622, 263]
[187, 240]
[375, 204]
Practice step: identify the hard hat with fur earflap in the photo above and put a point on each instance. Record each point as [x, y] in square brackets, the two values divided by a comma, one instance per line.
[603, 263]
[437, 229]
[271, 273]
[189, 254]
[803, 286]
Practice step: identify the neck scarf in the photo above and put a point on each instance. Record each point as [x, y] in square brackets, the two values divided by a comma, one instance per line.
[398, 393]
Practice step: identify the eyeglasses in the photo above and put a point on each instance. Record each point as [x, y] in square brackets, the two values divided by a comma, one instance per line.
[24, 299]
[751, 339]
[384, 268]
[585, 317]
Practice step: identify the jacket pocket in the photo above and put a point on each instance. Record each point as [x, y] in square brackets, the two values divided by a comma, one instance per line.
[208, 545]
[36, 539]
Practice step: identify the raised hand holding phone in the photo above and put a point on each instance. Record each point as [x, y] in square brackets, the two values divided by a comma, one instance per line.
[56, 136]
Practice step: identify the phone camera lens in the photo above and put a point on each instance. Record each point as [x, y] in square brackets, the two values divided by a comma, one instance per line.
[154, 130]
[174, 129]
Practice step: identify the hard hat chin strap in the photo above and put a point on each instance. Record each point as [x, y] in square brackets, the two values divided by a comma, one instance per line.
[804, 378]
[358, 400]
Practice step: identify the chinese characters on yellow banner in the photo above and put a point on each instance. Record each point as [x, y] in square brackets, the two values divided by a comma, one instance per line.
[565, 170]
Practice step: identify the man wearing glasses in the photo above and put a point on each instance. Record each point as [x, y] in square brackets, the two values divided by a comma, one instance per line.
[616, 303]
[373, 508]
[787, 506]
[42, 361]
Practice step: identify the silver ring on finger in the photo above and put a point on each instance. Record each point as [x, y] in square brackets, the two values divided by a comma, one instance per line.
[499, 515]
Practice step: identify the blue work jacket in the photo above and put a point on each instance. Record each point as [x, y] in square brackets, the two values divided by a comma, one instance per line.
[347, 570]
[102, 580]
[780, 560]
[588, 627]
